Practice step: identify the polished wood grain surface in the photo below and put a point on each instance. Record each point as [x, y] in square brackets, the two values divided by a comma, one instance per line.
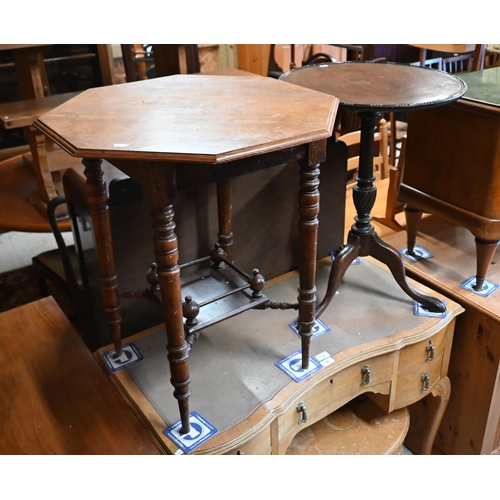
[22, 113]
[202, 118]
[55, 399]
[452, 167]
[371, 89]
[182, 131]
[471, 423]
[382, 87]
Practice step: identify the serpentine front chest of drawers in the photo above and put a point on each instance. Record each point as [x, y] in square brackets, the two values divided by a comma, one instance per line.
[381, 349]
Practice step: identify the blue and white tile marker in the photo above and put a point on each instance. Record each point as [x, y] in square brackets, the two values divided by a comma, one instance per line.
[292, 366]
[488, 287]
[420, 254]
[130, 356]
[200, 431]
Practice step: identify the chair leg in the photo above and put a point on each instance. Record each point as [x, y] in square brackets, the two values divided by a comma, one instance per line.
[485, 249]
[413, 218]
[392, 139]
[42, 285]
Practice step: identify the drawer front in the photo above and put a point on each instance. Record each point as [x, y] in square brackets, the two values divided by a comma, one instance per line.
[423, 352]
[417, 382]
[420, 368]
[332, 393]
[259, 444]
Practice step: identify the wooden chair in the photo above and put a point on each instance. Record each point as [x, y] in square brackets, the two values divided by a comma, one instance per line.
[475, 51]
[284, 57]
[392, 183]
[434, 63]
[458, 63]
[159, 60]
[381, 165]
[492, 57]
[60, 266]
[389, 176]
[46, 161]
[398, 128]
[138, 61]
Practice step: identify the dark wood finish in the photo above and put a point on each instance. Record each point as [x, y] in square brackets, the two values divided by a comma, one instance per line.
[135, 62]
[458, 180]
[256, 120]
[308, 237]
[379, 87]
[32, 74]
[371, 89]
[97, 199]
[168, 62]
[263, 224]
[163, 60]
[225, 216]
[55, 398]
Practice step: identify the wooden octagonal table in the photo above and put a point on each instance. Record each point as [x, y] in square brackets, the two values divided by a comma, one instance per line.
[179, 132]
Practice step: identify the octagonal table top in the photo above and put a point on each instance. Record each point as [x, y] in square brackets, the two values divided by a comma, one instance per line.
[369, 86]
[190, 118]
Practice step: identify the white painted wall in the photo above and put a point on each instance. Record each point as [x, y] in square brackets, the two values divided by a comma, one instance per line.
[17, 248]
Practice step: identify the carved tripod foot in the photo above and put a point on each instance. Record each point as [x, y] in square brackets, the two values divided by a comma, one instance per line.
[394, 261]
[343, 259]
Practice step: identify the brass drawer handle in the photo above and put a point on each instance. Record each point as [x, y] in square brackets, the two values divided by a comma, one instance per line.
[301, 408]
[425, 381]
[366, 374]
[430, 350]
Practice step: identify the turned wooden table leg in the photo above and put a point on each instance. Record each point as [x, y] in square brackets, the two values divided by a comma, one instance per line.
[159, 185]
[97, 198]
[167, 259]
[225, 213]
[308, 243]
[437, 401]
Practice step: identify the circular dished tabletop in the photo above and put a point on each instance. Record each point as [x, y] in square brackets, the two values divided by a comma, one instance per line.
[365, 86]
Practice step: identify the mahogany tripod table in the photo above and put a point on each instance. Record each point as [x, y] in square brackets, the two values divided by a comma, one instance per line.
[180, 132]
[371, 89]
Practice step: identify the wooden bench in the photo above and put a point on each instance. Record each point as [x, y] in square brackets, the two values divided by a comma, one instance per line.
[55, 398]
[48, 163]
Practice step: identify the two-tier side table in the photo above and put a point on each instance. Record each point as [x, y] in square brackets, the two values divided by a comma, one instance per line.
[180, 132]
[372, 89]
